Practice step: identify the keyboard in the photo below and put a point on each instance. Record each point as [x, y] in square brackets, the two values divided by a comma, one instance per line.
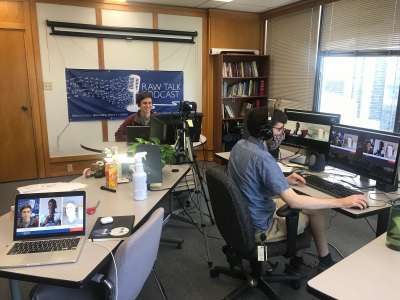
[334, 189]
[44, 246]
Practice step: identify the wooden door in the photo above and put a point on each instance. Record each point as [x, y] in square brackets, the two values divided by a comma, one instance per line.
[18, 154]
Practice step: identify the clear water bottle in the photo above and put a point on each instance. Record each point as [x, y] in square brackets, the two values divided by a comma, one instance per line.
[393, 232]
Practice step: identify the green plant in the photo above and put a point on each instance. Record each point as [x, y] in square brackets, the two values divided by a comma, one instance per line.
[167, 151]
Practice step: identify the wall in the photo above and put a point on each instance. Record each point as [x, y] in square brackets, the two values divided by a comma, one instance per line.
[58, 53]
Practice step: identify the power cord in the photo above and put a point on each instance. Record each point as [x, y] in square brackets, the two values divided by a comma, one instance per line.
[337, 250]
[115, 267]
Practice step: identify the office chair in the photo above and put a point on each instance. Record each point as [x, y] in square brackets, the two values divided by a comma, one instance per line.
[234, 223]
[135, 259]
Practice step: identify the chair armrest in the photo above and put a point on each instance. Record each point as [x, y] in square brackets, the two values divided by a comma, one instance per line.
[292, 222]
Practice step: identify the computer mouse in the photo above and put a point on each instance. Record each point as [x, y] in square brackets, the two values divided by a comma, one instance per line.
[106, 220]
[175, 170]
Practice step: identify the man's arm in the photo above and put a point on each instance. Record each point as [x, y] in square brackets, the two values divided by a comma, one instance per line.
[295, 200]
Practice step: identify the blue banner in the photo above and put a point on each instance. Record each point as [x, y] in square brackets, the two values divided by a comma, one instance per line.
[111, 94]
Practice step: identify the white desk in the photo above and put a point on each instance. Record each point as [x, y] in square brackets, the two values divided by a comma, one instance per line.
[370, 273]
[382, 210]
[123, 146]
[92, 256]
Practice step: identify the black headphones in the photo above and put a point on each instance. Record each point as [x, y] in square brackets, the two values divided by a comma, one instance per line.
[266, 130]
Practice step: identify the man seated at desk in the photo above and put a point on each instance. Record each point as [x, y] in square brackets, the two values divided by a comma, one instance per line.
[142, 118]
[259, 178]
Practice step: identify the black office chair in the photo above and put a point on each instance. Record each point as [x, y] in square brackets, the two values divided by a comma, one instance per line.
[233, 221]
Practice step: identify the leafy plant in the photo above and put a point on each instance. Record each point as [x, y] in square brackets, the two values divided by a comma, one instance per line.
[167, 151]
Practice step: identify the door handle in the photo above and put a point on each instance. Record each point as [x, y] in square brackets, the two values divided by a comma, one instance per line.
[24, 108]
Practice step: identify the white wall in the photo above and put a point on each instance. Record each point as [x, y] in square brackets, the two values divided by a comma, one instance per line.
[184, 57]
[58, 53]
[127, 55]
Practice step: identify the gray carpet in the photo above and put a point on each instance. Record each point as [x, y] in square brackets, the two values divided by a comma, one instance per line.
[184, 272]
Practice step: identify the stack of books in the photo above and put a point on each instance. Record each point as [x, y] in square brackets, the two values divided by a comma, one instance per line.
[240, 69]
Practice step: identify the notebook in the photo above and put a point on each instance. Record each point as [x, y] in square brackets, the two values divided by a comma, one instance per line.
[49, 228]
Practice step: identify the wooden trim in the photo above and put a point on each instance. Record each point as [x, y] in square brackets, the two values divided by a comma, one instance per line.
[34, 90]
[206, 100]
[293, 7]
[40, 91]
[138, 7]
[12, 25]
[156, 46]
[100, 43]
[60, 159]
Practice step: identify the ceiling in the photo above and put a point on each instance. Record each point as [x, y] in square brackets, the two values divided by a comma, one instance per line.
[240, 5]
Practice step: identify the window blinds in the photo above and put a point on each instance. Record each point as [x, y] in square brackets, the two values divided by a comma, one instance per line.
[361, 25]
[292, 45]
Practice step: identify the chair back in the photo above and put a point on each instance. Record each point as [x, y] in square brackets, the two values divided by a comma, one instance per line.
[136, 256]
[231, 212]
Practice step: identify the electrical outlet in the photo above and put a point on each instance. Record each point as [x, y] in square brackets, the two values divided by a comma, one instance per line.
[70, 168]
[48, 86]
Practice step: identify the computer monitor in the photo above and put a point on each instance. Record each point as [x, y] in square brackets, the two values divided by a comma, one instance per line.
[134, 132]
[164, 127]
[369, 153]
[309, 130]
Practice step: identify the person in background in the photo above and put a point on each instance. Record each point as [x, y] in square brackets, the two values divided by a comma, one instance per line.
[142, 118]
[53, 218]
[26, 219]
[257, 175]
[71, 214]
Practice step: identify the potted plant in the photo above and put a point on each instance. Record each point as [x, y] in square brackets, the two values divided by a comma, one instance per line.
[167, 151]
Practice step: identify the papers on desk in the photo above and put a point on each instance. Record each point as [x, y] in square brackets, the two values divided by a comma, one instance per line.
[285, 169]
[51, 187]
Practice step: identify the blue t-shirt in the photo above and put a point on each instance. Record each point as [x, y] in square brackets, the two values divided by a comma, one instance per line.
[258, 177]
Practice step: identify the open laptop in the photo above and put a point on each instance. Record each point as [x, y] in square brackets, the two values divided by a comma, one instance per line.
[49, 228]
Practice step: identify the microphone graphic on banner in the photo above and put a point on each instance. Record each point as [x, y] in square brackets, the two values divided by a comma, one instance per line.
[133, 87]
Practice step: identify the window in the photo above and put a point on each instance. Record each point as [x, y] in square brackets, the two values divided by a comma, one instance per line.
[359, 62]
[363, 89]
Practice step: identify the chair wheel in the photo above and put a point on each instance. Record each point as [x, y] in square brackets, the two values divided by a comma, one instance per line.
[179, 246]
[295, 284]
[213, 273]
[210, 264]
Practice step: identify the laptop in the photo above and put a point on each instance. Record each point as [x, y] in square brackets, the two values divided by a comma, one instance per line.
[134, 132]
[49, 228]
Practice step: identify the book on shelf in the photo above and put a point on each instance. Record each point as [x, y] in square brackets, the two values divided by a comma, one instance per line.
[246, 107]
[240, 69]
[246, 88]
[229, 111]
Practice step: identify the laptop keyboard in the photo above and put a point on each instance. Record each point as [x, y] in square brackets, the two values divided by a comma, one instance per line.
[44, 246]
[334, 189]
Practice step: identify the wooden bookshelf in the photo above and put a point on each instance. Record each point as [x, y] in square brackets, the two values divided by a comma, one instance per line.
[237, 88]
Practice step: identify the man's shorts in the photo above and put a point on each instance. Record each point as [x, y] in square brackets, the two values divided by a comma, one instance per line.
[277, 230]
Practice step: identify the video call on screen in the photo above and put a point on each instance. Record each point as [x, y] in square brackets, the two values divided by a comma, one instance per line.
[372, 153]
[41, 216]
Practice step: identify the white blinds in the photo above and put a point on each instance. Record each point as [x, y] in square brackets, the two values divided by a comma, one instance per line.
[354, 25]
[292, 46]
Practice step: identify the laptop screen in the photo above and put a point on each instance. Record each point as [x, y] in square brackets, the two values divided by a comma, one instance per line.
[49, 214]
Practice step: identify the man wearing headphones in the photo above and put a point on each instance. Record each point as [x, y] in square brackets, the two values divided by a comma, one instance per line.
[258, 176]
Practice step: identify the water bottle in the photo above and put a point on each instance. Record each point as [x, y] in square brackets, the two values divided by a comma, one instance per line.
[393, 232]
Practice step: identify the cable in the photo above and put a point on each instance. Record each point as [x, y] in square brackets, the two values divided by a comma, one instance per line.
[370, 226]
[115, 267]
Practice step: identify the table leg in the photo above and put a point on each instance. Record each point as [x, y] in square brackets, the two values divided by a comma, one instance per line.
[15, 290]
[383, 218]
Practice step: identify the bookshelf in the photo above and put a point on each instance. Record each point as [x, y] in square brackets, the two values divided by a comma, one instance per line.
[240, 84]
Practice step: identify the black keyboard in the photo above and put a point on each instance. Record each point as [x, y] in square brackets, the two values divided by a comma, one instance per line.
[44, 246]
[334, 189]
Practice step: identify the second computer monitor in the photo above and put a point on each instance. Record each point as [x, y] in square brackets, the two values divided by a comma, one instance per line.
[369, 153]
[310, 130]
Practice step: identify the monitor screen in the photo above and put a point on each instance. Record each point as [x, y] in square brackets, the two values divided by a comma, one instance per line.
[369, 153]
[43, 215]
[310, 130]
[164, 127]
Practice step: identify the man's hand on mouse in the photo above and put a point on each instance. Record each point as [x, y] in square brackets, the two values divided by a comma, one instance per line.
[359, 201]
[296, 179]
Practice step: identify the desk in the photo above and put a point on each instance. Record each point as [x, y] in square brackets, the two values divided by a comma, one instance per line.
[369, 273]
[123, 146]
[92, 256]
[382, 211]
